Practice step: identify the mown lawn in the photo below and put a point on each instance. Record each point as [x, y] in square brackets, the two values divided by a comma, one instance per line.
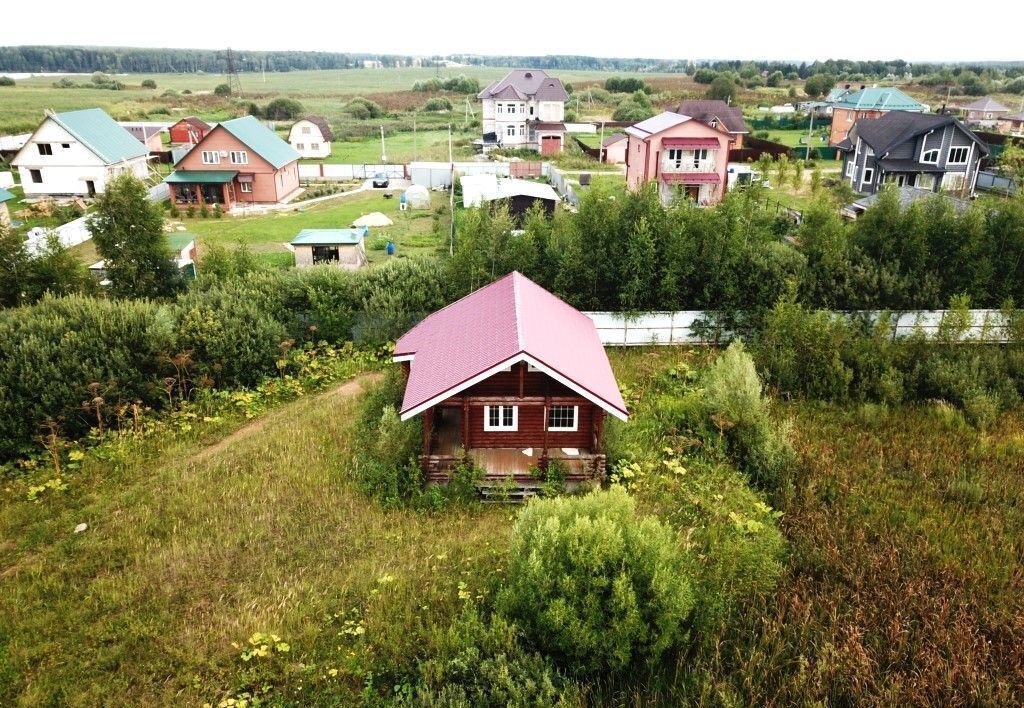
[426, 145]
[268, 234]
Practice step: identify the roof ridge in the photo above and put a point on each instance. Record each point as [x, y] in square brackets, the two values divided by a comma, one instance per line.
[515, 304]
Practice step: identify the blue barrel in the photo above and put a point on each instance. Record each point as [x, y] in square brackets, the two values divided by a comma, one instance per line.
[391, 248]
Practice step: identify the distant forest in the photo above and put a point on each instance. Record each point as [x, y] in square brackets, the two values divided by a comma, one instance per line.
[114, 60]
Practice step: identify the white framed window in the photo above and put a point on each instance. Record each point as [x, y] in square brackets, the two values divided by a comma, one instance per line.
[699, 156]
[239, 157]
[510, 131]
[314, 146]
[305, 130]
[675, 156]
[211, 157]
[925, 182]
[45, 148]
[300, 146]
[563, 418]
[931, 156]
[501, 418]
[245, 187]
[501, 108]
[958, 155]
[869, 175]
[522, 130]
[849, 168]
[954, 181]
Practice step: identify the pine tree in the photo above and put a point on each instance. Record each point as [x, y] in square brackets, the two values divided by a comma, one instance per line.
[639, 274]
[14, 265]
[128, 232]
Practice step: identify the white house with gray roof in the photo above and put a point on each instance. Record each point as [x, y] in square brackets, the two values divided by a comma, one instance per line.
[76, 153]
[525, 109]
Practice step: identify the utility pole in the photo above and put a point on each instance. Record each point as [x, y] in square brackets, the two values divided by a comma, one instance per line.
[414, 136]
[600, 146]
[810, 131]
[451, 195]
[383, 151]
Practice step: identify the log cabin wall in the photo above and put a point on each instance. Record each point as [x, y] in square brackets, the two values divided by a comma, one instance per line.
[530, 431]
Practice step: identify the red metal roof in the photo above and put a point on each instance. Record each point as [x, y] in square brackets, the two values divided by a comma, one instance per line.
[512, 319]
[691, 142]
[691, 177]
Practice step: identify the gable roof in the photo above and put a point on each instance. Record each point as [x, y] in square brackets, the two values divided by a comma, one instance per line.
[512, 319]
[196, 123]
[879, 99]
[321, 123]
[1015, 116]
[987, 103]
[261, 140]
[99, 134]
[524, 83]
[707, 110]
[888, 131]
[652, 126]
[612, 139]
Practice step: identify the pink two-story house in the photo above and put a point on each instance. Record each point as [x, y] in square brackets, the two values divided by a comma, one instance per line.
[686, 157]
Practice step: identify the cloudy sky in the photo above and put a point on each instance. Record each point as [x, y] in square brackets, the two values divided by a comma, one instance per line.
[866, 29]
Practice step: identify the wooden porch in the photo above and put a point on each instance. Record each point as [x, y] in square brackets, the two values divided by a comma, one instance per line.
[443, 449]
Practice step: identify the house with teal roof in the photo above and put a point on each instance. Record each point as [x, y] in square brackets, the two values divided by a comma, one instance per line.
[5, 214]
[871, 102]
[240, 161]
[76, 153]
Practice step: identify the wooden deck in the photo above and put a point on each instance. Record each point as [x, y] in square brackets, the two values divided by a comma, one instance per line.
[500, 463]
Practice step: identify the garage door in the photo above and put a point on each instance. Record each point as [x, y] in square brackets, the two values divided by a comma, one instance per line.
[550, 145]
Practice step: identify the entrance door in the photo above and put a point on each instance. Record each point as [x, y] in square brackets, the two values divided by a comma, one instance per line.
[550, 145]
[90, 187]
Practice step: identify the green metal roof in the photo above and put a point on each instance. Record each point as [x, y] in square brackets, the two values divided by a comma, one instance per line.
[328, 237]
[879, 99]
[100, 134]
[201, 176]
[5, 196]
[176, 242]
[261, 140]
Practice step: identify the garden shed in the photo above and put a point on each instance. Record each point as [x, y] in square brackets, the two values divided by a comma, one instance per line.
[343, 248]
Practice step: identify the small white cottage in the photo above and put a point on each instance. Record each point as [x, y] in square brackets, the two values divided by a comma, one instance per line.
[343, 248]
[311, 137]
[76, 153]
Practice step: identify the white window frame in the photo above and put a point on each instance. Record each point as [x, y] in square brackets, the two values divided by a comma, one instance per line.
[522, 130]
[510, 131]
[305, 130]
[501, 107]
[245, 187]
[564, 429]
[211, 157]
[501, 427]
[239, 157]
[949, 155]
[300, 146]
[926, 153]
[849, 168]
[314, 146]
[869, 175]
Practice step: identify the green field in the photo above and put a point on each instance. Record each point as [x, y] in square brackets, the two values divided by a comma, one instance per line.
[429, 145]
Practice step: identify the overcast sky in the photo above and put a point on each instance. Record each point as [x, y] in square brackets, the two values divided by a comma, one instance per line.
[864, 29]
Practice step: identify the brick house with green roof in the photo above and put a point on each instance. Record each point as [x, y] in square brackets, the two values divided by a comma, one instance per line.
[76, 153]
[873, 102]
[239, 161]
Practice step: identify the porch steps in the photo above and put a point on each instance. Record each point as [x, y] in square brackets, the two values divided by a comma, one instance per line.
[503, 493]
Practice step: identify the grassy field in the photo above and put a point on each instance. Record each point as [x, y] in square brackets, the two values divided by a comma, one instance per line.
[267, 235]
[428, 145]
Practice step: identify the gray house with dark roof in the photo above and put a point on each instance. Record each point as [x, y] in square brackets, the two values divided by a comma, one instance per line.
[524, 109]
[928, 152]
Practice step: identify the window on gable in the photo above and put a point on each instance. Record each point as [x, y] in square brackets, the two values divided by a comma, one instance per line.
[44, 148]
[501, 418]
[66, 146]
[958, 155]
[305, 130]
[211, 157]
[239, 157]
[564, 418]
[500, 108]
[930, 156]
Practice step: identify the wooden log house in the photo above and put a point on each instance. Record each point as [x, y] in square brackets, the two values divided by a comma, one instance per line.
[511, 377]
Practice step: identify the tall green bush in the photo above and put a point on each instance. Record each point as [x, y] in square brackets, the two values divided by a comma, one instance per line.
[595, 585]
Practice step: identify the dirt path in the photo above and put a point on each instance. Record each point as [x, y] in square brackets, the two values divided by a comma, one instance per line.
[334, 394]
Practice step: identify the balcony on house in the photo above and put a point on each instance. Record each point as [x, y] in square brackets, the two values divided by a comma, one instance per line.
[689, 155]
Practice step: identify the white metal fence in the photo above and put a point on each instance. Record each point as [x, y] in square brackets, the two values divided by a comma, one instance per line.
[684, 327]
[438, 175]
[562, 186]
[343, 172]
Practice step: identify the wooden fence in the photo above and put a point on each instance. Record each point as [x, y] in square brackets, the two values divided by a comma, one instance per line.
[692, 326]
[753, 148]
